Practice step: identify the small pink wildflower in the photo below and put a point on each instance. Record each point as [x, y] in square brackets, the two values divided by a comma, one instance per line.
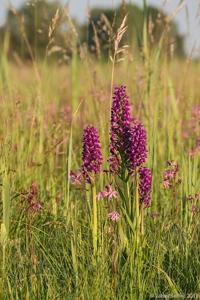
[169, 174]
[107, 193]
[36, 206]
[76, 178]
[101, 195]
[114, 216]
[111, 193]
[166, 184]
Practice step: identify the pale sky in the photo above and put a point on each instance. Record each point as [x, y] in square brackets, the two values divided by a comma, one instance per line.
[187, 16]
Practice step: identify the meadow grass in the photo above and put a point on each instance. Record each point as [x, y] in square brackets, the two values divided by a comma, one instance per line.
[49, 254]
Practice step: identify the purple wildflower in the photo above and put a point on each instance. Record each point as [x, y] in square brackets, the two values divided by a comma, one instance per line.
[107, 193]
[91, 155]
[120, 119]
[135, 146]
[36, 207]
[127, 140]
[114, 216]
[145, 186]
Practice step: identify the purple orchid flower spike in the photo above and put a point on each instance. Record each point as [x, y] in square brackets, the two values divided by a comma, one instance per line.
[120, 119]
[145, 186]
[127, 138]
[91, 155]
[135, 146]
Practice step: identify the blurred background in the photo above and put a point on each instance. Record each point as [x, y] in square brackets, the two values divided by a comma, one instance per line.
[28, 23]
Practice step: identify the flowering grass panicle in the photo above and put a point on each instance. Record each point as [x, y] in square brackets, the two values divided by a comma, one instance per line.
[145, 186]
[91, 155]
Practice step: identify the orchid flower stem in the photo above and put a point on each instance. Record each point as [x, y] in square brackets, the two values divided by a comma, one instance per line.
[137, 209]
[138, 229]
[142, 219]
[128, 197]
[94, 223]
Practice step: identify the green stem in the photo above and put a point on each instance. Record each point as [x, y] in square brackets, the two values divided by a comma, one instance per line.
[138, 249]
[94, 225]
[137, 210]
[142, 219]
[128, 198]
